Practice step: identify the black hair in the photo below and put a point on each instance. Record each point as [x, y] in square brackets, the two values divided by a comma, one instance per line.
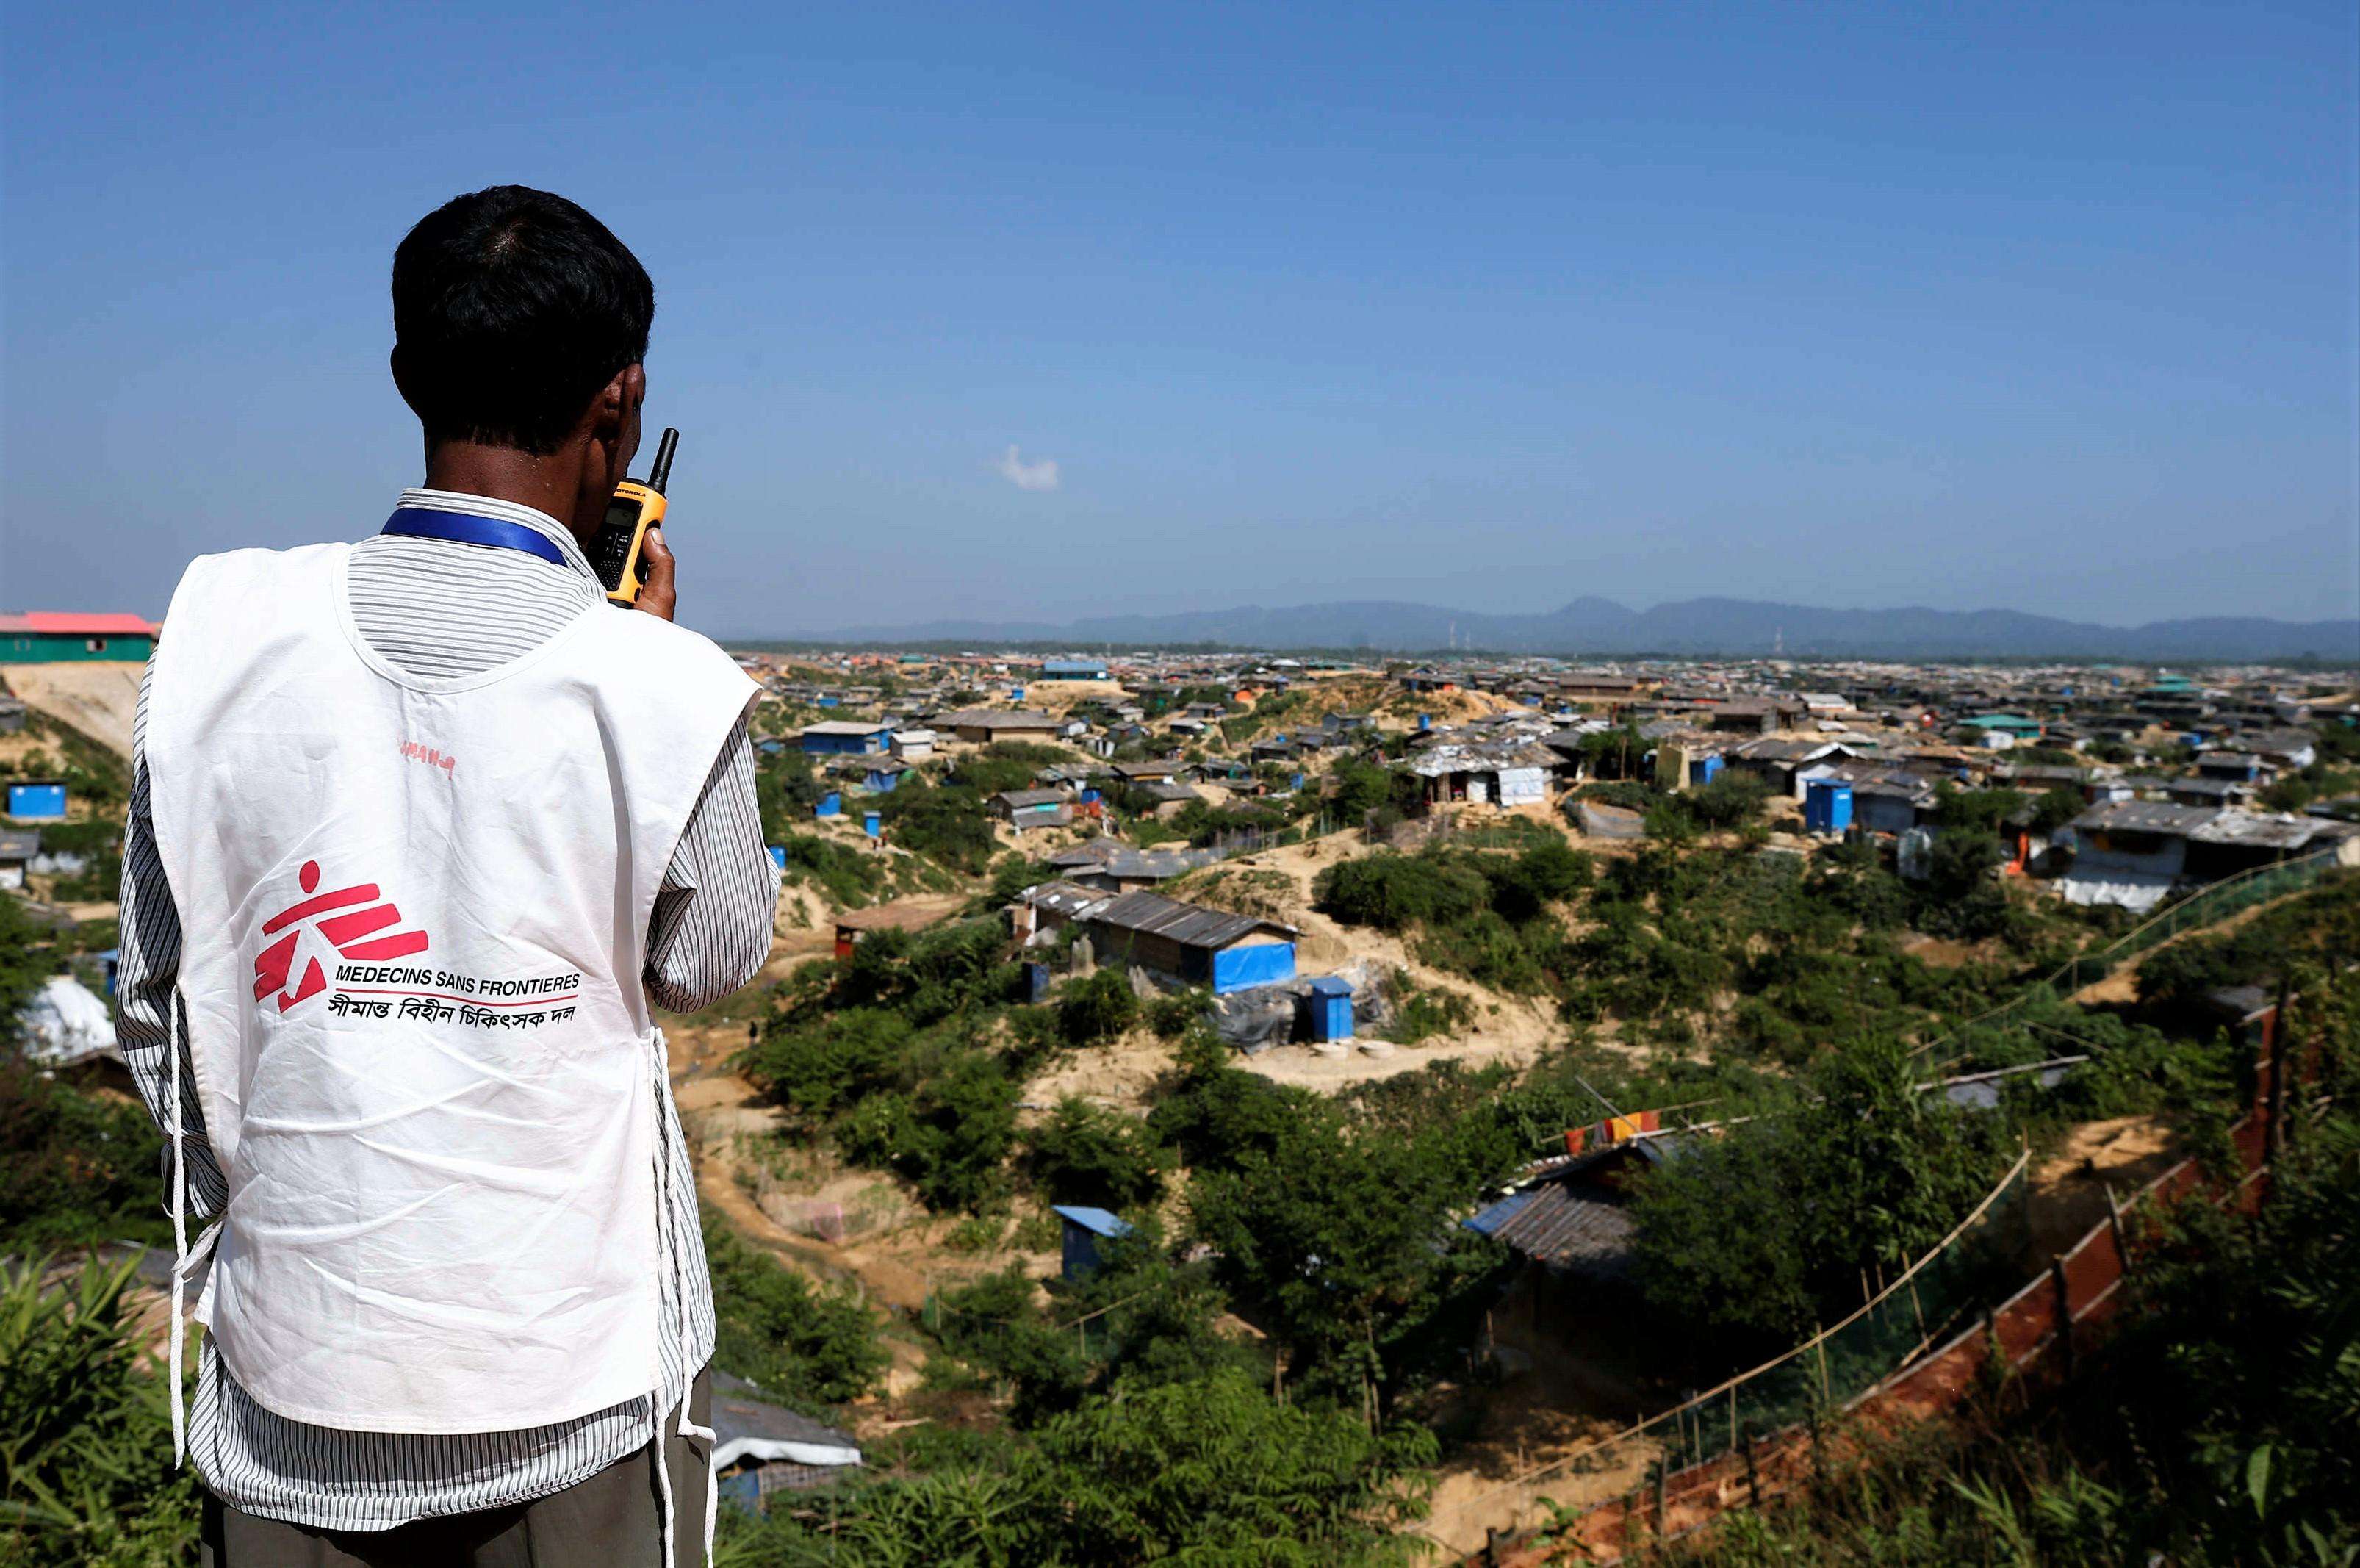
[511, 309]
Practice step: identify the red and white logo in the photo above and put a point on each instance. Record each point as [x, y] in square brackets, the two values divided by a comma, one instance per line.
[317, 927]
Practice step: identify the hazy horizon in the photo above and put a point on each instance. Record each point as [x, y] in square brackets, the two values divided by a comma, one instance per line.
[1040, 315]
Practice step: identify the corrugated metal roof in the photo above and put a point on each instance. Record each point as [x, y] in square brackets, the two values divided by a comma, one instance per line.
[1191, 925]
[64, 623]
[1066, 898]
[995, 719]
[2143, 817]
[1571, 1230]
[2256, 830]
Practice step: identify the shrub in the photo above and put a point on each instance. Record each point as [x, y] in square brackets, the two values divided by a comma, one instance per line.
[1390, 891]
[74, 1169]
[802, 1343]
[1087, 1153]
[1098, 1008]
[86, 1474]
[1729, 801]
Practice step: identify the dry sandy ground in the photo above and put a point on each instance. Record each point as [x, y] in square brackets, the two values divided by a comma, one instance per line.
[1509, 1029]
[2069, 1188]
[100, 700]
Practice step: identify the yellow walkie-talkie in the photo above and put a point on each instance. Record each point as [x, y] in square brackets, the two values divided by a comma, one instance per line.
[635, 509]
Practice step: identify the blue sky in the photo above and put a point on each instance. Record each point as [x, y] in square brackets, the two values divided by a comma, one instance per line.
[2049, 308]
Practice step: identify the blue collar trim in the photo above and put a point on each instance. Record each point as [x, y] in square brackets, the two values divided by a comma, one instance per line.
[417, 522]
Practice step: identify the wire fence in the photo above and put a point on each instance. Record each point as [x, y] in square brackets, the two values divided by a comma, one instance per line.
[1927, 1303]
[2207, 906]
[1612, 1498]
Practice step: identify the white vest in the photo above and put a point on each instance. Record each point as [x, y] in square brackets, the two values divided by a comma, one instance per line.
[414, 919]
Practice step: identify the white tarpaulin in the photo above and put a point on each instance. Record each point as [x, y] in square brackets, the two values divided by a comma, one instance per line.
[2135, 895]
[64, 1024]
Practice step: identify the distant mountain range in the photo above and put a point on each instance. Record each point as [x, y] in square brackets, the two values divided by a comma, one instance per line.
[1703, 626]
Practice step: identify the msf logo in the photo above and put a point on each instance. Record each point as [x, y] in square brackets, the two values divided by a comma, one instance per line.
[316, 928]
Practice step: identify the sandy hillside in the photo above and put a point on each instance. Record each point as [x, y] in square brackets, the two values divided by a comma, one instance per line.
[100, 700]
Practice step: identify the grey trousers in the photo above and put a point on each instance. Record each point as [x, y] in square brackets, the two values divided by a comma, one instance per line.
[614, 1519]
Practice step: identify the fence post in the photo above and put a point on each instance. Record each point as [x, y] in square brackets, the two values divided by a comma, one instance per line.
[2274, 1139]
[2114, 1223]
[2064, 1311]
[1819, 1343]
[1662, 1476]
[1752, 1471]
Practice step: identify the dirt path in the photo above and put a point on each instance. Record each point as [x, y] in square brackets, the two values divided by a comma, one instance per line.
[2069, 1188]
[2121, 988]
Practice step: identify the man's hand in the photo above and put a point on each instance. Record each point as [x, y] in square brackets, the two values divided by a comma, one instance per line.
[656, 594]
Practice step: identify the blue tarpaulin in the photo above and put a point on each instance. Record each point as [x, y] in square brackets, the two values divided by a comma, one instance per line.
[1487, 1222]
[1257, 963]
[36, 802]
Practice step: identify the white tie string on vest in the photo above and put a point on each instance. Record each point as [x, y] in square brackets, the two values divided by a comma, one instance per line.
[688, 1428]
[415, 920]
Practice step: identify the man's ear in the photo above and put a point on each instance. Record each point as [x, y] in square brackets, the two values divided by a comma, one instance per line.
[615, 420]
[401, 377]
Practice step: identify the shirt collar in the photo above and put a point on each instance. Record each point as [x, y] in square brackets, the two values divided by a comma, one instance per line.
[506, 511]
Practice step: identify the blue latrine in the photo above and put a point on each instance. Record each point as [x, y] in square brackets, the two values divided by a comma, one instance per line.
[1331, 1008]
[1083, 1230]
[1827, 806]
[41, 802]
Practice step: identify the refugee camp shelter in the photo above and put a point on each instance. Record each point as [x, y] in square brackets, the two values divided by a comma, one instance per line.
[981, 726]
[1027, 808]
[65, 1025]
[1191, 944]
[761, 1448]
[2014, 726]
[48, 637]
[846, 737]
[1495, 773]
[1073, 669]
[2129, 852]
[18, 848]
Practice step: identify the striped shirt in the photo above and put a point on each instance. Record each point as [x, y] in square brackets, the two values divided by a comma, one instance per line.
[440, 609]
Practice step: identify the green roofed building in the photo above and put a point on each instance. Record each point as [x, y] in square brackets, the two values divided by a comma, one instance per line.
[49, 637]
[2014, 724]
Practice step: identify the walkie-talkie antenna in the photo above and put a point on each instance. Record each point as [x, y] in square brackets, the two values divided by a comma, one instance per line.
[662, 470]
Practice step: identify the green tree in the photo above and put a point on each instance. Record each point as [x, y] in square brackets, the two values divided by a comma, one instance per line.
[1087, 1153]
[801, 1343]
